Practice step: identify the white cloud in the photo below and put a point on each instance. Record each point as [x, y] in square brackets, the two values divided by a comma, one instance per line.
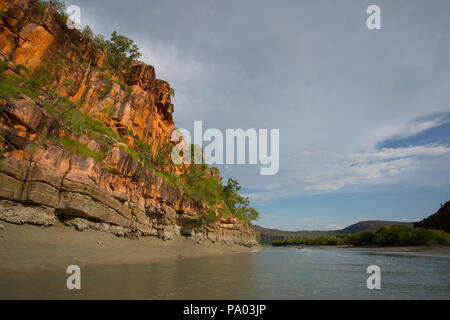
[392, 153]
[172, 66]
[405, 129]
[369, 167]
[358, 174]
[421, 126]
[334, 93]
[325, 172]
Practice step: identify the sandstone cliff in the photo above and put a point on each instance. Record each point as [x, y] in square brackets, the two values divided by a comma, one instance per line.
[92, 180]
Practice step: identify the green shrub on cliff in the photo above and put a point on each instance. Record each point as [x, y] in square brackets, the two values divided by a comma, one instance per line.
[28, 82]
[108, 87]
[200, 187]
[59, 6]
[145, 152]
[12, 86]
[9, 87]
[238, 205]
[209, 217]
[77, 122]
[162, 159]
[98, 39]
[125, 87]
[121, 51]
[131, 152]
[41, 77]
[80, 148]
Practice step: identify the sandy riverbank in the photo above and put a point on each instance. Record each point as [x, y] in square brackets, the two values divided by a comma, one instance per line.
[26, 248]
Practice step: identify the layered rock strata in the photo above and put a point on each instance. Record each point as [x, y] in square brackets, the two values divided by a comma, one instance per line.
[41, 181]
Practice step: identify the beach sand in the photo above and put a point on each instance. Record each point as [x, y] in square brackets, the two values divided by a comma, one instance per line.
[26, 248]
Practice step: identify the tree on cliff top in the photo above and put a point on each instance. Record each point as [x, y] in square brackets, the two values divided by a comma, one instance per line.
[121, 51]
[238, 205]
[98, 39]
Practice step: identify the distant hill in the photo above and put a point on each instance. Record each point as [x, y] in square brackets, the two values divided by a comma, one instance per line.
[269, 235]
[439, 221]
[372, 225]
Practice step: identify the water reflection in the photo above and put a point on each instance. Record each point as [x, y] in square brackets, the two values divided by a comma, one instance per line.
[275, 273]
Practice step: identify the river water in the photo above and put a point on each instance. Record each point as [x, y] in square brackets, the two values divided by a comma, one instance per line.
[274, 273]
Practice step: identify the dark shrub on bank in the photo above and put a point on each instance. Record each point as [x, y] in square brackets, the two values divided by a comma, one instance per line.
[396, 235]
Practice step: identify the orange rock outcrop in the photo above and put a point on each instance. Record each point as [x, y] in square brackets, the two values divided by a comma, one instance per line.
[42, 182]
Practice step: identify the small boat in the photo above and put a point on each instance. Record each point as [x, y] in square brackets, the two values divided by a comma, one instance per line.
[300, 247]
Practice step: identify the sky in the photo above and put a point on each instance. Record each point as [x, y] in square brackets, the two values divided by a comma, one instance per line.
[364, 115]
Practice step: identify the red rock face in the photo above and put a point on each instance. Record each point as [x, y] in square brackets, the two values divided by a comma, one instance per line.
[40, 180]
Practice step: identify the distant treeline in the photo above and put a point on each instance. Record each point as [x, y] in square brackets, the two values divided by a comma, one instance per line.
[395, 235]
